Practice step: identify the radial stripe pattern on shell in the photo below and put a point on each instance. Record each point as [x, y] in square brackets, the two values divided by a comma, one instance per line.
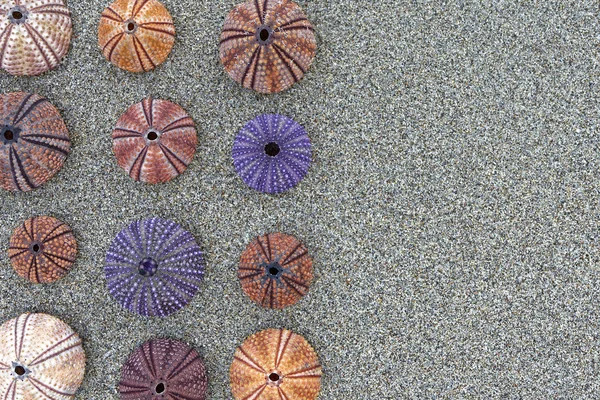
[275, 270]
[272, 153]
[34, 141]
[136, 35]
[154, 267]
[154, 141]
[34, 35]
[267, 45]
[42, 249]
[165, 369]
[41, 357]
[275, 364]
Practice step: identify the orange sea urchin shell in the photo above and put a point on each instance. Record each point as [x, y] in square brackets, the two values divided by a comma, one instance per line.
[275, 364]
[154, 141]
[267, 45]
[275, 270]
[34, 141]
[34, 35]
[43, 249]
[40, 358]
[136, 35]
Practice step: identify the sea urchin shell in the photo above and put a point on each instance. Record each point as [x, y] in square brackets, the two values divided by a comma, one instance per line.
[136, 35]
[43, 249]
[154, 267]
[267, 45]
[275, 364]
[40, 358]
[34, 141]
[275, 270]
[272, 153]
[154, 141]
[166, 369]
[34, 35]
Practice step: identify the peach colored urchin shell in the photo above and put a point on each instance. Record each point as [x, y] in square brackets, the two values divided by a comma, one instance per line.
[41, 357]
[267, 45]
[34, 141]
[275, 364]
[34, 35]
[42, 249]
[154, 141]
[136, 35]
[275, 270]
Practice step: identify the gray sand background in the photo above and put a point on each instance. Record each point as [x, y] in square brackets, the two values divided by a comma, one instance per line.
[451, 208]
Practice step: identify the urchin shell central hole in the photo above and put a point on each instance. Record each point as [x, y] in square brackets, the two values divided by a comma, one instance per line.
[19, 370]
[264, 34]
[273, 377]
[160, 388]
[273, 271]
[130, 27]
[9, 135]
[36, 247]
[147, 267]
[152, 135]
[17, 15]
[272, 149]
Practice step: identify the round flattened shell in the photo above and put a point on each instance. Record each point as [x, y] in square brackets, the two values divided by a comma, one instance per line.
[41, 357]
[43, 249]
[275, 364]
[34, 141]
[136, 35]
[267, 45]
[275, 270]
[34, 35]
[154, 141]
[165, 369]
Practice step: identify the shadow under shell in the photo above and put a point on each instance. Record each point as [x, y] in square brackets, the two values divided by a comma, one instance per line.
[154, 267]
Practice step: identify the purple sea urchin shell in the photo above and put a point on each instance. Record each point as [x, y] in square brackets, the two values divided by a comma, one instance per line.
[165, 369]
[272, 153]
[154, 267]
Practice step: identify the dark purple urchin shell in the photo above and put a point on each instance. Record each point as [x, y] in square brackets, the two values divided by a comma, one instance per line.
[165, 369]
[154, 267]
[272, 153]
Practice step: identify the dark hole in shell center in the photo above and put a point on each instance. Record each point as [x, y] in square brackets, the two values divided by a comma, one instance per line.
[9, 135]
[273, 269]
[272, 149]
[160, 388]
[36, 247]
[273, 377]
[17, 15]
[130, 26]
[152, 135]
[147, 267]
[264, 34]
[19, 370]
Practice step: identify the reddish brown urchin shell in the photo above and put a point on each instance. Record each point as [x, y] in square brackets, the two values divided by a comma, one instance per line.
[34, 35]
[166, 369]
[275, 270]
[136, 35]
[43, 249]
[34, 141]
[154, 141]
[267, 45]
[275, 364]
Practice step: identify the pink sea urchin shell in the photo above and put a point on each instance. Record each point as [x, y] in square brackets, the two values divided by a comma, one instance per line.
[34, 35]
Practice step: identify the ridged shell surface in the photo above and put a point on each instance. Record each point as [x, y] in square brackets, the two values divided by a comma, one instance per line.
[42, 249]
[267, 45]
[275, 270]
[41, 357]
[154, 141]
[272, 153]
[163, 369]
[34, 141]
[154, 267]
[136, 35]
[34, 35]
[275, 364]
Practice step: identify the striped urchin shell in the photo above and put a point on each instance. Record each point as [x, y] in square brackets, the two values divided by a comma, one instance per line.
[272, 153]
[154, 267]
[136, 35]
[166, 369]
[275, 364]
[41, 357]
[154, 141]
[275, 270]
[34, 141]
[43, 249]
[267, 45]
[34, 35]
